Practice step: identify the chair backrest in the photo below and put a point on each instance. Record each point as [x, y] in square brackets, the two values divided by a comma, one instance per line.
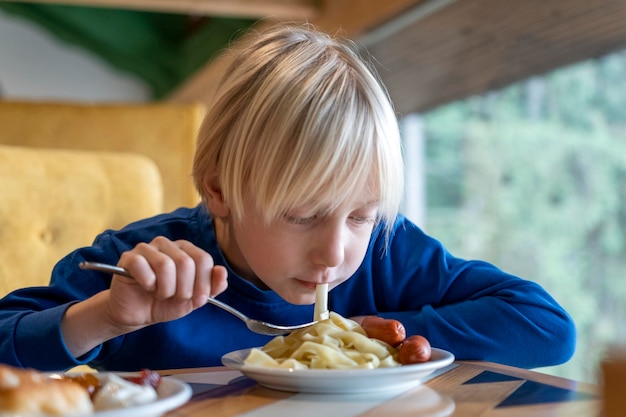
[53, 201]
[164, 132]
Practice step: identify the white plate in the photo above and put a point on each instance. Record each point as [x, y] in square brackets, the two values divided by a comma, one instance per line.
[171, 392]
[338, 381]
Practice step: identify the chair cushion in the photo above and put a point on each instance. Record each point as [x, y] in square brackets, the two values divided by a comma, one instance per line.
[53, 201]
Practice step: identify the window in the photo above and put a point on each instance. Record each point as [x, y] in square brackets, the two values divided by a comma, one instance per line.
[533, 179]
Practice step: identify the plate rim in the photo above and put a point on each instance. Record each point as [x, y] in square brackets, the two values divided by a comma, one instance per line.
[230, 360]
[318, 381]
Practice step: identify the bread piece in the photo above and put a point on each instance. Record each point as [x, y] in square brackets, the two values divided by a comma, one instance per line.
[29, 393]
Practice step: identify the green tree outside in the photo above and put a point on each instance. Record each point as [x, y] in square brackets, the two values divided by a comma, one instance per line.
[533, 179]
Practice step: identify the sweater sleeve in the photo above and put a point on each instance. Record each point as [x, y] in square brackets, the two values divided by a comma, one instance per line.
[470, 308]
[30, 318]
[40, 344]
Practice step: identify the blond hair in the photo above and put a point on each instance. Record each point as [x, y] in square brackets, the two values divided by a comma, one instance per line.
[299, 118]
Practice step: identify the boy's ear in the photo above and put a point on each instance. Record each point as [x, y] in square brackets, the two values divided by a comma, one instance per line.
[214, 197]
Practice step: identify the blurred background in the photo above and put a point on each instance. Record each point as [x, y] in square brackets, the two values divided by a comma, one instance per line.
[513, 115]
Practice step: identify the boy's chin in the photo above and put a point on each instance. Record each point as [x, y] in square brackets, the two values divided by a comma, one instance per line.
[299, 299]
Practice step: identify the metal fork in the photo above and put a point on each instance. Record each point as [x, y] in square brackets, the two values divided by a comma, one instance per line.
[257, 326]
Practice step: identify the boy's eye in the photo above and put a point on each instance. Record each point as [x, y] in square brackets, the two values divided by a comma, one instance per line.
[363, 219]
[301, 220]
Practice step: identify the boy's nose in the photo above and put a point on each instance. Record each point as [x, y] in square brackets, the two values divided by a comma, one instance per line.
[329, 249]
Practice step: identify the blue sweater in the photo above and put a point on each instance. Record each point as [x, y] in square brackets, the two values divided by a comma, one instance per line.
[469, 308]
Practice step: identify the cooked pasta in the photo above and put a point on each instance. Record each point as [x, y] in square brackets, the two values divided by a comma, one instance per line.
[335, 343]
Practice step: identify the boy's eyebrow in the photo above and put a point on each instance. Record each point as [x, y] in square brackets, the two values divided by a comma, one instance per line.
[371, 203]
[367, 204]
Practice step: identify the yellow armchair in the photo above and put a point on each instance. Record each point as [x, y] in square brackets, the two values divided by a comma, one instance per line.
[53, 201]
[164, 132]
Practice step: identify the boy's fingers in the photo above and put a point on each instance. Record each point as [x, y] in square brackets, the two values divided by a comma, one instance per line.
[219, 280]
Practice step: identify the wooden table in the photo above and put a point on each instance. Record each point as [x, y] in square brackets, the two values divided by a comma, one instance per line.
[463, 389]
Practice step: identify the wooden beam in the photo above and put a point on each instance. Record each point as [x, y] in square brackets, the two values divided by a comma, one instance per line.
[282, 9]
[355, 17]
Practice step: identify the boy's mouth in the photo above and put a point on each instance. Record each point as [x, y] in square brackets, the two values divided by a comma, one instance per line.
[307, 284]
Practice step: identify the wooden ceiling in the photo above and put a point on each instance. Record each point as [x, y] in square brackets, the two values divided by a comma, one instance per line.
[472, 46]
[428, 52]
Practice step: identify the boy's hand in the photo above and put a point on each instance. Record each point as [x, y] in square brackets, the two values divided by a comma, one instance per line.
[170, 280]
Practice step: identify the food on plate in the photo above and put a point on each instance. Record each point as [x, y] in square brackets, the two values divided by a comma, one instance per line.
[411, 350]
[414, 349]
[335, 343]
[146, 377]
[110, 391]
[388, 330]
[89, 381]
[117, 392]
[26, 392]
[341, 343]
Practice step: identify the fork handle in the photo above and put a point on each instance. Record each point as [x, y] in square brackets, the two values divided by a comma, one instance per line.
[97, 266]
[112, 269]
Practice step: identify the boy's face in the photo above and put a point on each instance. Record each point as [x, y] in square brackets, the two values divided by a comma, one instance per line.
[294, 253]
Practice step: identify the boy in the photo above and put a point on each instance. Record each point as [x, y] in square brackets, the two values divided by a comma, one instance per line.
[300, 169]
